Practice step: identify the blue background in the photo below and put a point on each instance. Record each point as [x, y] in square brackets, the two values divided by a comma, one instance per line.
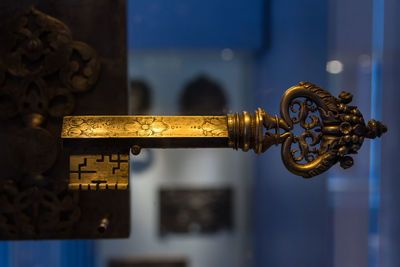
[289, 43]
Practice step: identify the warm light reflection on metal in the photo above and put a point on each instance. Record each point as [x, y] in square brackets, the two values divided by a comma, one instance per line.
[144, 126]
[331, 130]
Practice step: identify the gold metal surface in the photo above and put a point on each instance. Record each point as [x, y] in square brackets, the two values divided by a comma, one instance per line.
[99, 172]
[144, 126]
[328, 130]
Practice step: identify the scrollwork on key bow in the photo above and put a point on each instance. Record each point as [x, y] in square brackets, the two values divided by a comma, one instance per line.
[330, 130]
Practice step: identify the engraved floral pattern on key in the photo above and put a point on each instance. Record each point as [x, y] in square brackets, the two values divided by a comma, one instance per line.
[148, 126]
[213, 126]
[83, 129]
[80, 127]
[143, 126]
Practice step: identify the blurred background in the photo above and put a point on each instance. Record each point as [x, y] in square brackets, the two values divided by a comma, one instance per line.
[222, 56]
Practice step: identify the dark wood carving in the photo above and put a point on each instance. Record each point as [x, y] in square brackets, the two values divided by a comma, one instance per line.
[195, 210]
[46, 73]
[43, 67]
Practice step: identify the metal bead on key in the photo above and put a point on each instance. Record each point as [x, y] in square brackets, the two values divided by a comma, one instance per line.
[330, 130]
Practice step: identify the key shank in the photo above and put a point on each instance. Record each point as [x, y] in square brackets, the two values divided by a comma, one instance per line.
[315, 130]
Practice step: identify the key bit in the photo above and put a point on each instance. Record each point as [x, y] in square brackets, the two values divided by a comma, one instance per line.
[330, 130]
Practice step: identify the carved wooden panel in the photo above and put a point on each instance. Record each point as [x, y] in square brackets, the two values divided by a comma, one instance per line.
[52, 64]
[195, 210]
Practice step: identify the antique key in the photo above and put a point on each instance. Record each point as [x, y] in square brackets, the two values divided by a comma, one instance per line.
[319, 130]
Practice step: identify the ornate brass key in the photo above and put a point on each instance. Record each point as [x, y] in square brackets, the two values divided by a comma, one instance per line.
[319, 130]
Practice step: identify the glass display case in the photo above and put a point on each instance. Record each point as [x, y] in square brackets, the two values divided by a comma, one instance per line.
[213, 207]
